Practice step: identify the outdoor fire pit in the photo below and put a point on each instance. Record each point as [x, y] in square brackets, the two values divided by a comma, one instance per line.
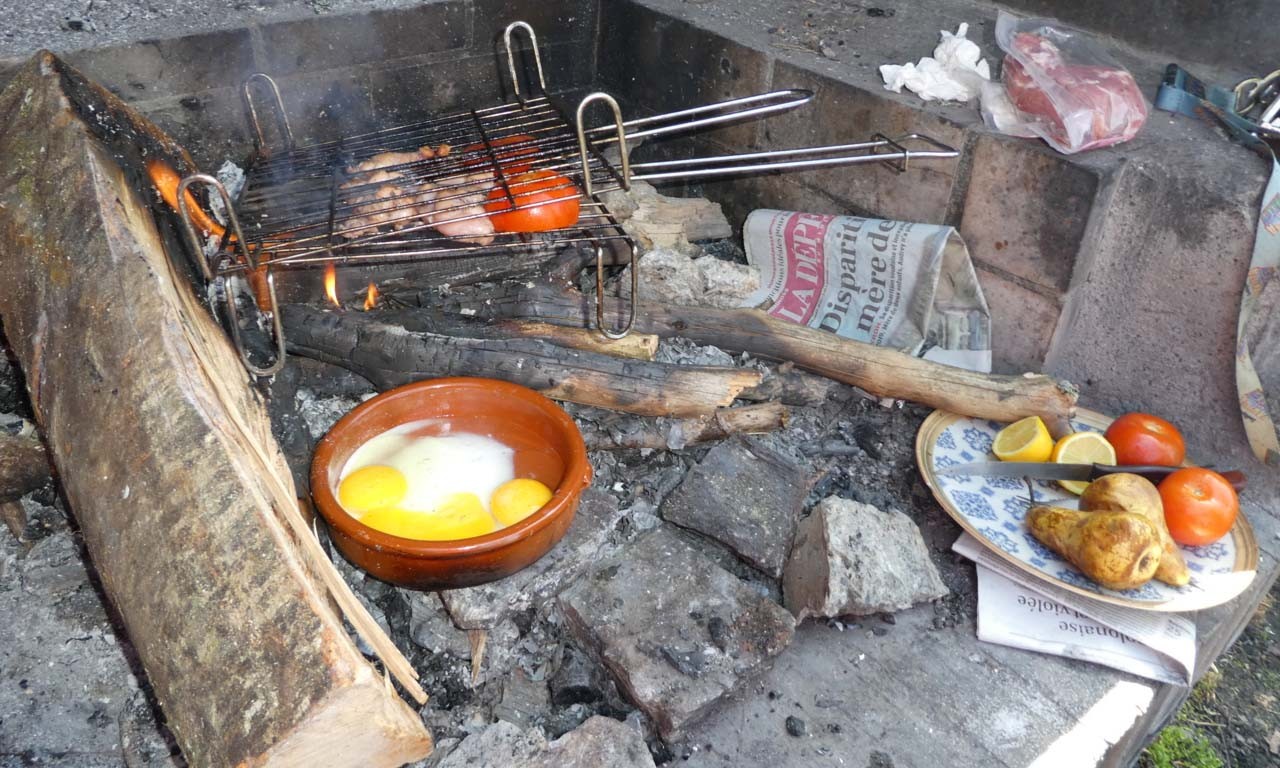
[186, 342]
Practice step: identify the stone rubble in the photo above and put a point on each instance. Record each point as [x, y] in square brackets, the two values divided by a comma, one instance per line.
[745, 496]
[852, 559]
[599, 742]
[646, 615]
[484, 606]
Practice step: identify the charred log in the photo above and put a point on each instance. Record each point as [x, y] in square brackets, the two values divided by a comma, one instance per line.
[389, 355]
[880, 371]
[674, 434]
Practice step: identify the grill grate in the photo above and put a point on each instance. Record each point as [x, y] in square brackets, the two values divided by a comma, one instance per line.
[433, 189]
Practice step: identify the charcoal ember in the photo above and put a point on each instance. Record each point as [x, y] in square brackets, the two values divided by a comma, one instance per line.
[726, 284]
[853, 559]
[524, 702]
[575, 682]
[660, 593]
[795, 726]
[746, 496]
[430, 627]
[485, 606]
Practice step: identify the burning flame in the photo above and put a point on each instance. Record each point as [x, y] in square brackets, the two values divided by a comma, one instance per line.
[331, 284]
[371, 298]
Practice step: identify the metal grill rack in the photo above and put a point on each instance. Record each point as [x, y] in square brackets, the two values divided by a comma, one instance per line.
[349, 201]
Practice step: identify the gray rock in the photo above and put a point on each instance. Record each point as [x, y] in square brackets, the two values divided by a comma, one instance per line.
[661, 594]
[851, 558]
[485, 606]
[598, 743]
[726, 283]
[501, 745]
[745, 496]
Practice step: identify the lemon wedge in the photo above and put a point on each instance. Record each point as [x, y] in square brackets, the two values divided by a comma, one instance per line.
[1082, 448]
[1024, 440]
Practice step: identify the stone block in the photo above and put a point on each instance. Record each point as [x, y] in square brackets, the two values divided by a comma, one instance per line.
[1023, 321]
[340, 41]
[483, 607]
[1151, 317]
[501, 745]
[177, 66]
[600, 741]
[746, 496]
[1025, 210]
[696, 66]
[843, 113]
[852, 559]
[676, 631]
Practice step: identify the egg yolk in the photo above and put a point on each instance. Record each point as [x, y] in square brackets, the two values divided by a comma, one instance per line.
[460, 516]
[372, 487]
[516, 499]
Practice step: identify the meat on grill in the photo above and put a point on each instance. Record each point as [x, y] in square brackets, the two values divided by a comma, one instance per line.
[453, 206]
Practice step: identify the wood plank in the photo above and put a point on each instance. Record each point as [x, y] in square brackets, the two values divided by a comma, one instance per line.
[165, 452]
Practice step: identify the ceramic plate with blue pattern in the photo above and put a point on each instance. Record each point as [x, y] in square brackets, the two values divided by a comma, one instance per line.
[993, 510]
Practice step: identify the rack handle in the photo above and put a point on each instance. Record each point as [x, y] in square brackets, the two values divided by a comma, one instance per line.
[719, 112]
[608, 332]
[277, 106]
[511, 58]
[620, 136]
[893, 152]
[247, 257]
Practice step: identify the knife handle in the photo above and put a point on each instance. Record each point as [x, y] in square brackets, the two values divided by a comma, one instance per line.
[1155, 473]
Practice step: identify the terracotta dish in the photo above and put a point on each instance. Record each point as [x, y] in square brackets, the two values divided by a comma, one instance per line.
[548, 447]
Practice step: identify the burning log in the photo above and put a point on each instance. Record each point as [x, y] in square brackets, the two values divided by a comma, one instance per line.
[389, 355]
[166, 456]
[678, 433]
[880, 371]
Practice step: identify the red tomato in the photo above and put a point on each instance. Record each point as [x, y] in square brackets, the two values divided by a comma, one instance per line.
[1140, 438]
[530, 189]
[1200, 506]
[513, 161]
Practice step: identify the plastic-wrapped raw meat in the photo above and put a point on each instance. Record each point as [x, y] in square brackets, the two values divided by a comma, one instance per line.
[1065, 89]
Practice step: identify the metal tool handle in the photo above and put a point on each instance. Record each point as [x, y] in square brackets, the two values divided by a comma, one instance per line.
[1155, 473]
[244, 254]
[716, 113]
[277, 106]
[511, 59]
[893, 152]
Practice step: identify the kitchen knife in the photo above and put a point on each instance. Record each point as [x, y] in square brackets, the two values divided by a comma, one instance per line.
[1084, 472]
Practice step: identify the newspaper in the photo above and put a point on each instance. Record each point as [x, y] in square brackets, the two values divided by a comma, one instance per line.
[892, 283]
[1024, 612]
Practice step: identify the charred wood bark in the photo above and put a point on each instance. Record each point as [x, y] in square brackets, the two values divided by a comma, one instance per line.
[637, 346]
[24, 466]
[880, 371]
[166, 456]
[674, 434]
[389, 355]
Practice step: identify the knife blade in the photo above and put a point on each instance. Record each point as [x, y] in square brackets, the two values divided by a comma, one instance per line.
[1083, 472]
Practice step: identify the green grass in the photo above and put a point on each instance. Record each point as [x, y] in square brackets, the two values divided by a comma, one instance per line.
[1179, 747]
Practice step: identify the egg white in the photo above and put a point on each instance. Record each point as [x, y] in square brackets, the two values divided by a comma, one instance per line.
[438, 467]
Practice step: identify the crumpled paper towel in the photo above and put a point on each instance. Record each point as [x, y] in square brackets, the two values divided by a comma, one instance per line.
[955, 72]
